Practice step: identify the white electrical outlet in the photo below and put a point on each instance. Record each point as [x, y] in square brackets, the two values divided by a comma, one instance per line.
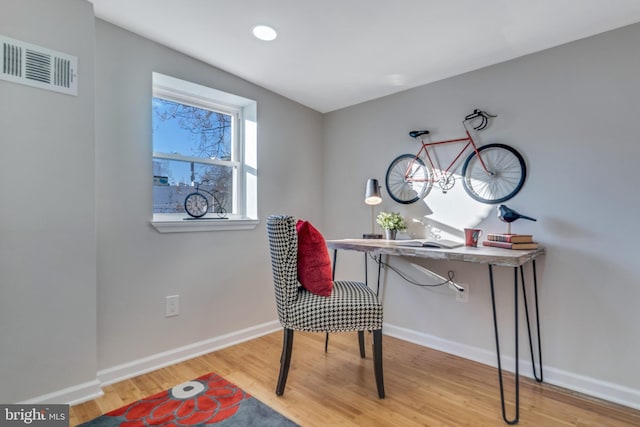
[462, 295]
[172, 306]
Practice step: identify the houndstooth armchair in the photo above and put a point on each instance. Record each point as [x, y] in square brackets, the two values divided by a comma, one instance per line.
[352, 306]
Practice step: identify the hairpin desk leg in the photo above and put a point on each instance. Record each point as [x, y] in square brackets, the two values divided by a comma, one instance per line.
[536, 375]
[333, 277]
[335, 260]
[366, 270]
[379, 269]
[495, 326]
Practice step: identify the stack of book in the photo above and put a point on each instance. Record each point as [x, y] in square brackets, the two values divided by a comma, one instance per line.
[510, 241]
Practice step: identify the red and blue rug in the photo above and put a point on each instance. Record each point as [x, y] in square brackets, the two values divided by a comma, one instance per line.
[206, 401]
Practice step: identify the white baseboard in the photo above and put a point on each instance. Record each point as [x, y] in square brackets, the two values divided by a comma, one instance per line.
[180, 354]
[593, 387]
[71, 395]
[590, 386]
[91, 390]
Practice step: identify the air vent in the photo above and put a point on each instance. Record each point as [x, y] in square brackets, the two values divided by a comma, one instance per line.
[38, 66]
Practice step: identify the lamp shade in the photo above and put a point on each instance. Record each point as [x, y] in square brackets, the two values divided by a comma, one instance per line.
[372, 192]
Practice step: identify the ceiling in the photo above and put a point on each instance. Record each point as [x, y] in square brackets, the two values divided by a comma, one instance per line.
[331, 54]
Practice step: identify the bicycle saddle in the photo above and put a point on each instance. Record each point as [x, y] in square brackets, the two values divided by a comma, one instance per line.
[417, 133]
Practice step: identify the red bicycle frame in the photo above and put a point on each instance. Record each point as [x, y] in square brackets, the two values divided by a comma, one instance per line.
[492, 173]
[425, 149]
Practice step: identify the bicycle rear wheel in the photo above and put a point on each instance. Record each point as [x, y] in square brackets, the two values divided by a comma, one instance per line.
[399, 187]
[507, 172]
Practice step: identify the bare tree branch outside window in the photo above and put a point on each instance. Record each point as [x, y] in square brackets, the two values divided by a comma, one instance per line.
[199, 133]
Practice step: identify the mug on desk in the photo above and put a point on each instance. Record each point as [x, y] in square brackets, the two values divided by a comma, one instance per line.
[471, 236]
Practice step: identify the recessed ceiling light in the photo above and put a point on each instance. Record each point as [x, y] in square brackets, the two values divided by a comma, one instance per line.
[264, 32]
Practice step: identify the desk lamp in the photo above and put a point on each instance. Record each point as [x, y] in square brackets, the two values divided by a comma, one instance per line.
[372, 197]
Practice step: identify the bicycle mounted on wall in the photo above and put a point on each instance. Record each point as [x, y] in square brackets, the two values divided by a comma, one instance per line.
[492, 173]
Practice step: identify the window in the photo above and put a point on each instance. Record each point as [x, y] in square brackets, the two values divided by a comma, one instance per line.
[202, 138]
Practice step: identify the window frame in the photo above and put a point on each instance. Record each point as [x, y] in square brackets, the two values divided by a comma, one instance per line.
[243, 111]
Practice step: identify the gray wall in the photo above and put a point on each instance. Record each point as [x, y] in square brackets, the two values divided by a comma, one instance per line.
[573, 112]
[223, 278]
[47, 226]
[59, 164]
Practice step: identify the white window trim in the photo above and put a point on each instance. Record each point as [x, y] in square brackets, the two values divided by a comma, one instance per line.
[213, 224]
[181, 158]
[190, 93]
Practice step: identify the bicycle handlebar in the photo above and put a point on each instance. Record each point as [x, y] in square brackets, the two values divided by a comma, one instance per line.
[484, 118]
[476, 113]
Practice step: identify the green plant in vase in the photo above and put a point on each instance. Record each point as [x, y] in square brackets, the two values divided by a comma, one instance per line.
[391, 222]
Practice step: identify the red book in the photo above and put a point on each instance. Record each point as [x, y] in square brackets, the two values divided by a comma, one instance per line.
[511, 238]
[508, 245]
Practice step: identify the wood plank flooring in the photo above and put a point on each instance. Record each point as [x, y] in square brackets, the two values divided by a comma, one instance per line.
[424, 387]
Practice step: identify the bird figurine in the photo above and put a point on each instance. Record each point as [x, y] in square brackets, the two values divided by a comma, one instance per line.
[508, 215]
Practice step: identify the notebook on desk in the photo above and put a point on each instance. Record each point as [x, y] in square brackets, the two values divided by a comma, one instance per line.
[427, 243]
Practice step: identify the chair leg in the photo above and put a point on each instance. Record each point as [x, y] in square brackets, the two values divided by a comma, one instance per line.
[377, 361]
[285, 360]
[361, 343]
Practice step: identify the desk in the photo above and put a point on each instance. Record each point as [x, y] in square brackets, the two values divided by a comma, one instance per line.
[482, 255]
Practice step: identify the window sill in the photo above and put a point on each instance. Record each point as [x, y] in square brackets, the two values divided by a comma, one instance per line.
[214, 224]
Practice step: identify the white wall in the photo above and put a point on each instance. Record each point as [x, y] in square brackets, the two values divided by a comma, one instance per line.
[47, 226]
[573, 112]
[223, 278]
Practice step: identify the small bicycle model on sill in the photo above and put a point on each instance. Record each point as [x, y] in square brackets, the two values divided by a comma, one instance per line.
[197, 204]
[492, 173]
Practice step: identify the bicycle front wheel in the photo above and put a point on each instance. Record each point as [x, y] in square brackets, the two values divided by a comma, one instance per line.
[196, 205]
[408, 179]
[505, 177]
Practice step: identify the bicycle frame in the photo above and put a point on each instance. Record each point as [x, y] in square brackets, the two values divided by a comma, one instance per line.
[442, 173]
[220, 211]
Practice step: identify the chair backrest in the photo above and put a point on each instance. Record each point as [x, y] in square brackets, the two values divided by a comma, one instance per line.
[283, 245]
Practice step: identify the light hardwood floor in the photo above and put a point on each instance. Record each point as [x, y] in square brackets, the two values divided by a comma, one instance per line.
[424, 387]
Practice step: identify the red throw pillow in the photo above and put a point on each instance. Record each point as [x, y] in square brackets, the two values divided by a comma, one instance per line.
[314, 263]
